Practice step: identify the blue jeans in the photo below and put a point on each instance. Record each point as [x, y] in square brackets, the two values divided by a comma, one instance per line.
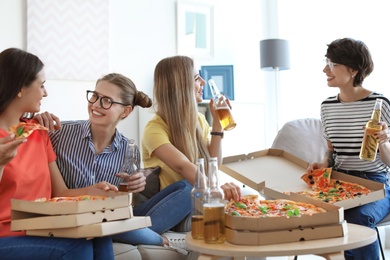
[368, 215]
[31, 248]
[166, 209]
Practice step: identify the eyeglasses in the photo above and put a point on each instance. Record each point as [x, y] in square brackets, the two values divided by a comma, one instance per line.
[105, 102]
[330, 64]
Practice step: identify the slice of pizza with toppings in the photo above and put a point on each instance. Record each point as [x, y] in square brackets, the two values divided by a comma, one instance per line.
[23, 129]
[351, 189]
[318, 178]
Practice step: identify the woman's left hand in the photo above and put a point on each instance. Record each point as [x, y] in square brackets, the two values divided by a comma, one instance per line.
[135, 182]
[231, 191]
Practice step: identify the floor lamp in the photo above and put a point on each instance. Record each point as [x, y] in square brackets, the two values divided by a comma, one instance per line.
[275, 56]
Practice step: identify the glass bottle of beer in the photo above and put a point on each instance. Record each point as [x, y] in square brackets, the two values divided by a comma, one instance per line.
[222, 108]
[370, 144]
[197, 200]
[214, 208]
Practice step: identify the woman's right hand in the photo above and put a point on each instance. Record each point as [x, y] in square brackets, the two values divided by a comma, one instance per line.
[314, 166]
[8, 148]
[48, 120]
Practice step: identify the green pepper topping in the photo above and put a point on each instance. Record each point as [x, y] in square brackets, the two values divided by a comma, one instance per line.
[19, 131]
[293, 213]
[263, 210]
[241, 205]
[235, 213]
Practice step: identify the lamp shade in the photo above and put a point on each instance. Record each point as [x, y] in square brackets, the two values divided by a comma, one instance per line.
[274, 54]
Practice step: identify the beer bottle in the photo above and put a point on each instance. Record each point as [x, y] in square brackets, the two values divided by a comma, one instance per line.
[222, 108]
[214, 208]
[370, 144]
[197, 200]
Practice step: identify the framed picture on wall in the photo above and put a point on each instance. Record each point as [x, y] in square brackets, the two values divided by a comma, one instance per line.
[195, 29]
[223, 77]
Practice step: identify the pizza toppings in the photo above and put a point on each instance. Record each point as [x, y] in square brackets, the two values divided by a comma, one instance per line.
[318, 178]
[251, 206]
[330, 191]
[23, 129]
[77, 198]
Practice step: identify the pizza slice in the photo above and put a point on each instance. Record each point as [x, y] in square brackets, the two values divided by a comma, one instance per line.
[351, 189]
[23, 129]
[318, 178]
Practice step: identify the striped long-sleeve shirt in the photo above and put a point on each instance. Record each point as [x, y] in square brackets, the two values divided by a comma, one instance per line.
[79, 165]
[343, 127]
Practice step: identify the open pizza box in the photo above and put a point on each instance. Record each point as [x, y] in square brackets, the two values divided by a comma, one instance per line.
[72, 218]
[274, 172]
[245, 237]
[334, 215]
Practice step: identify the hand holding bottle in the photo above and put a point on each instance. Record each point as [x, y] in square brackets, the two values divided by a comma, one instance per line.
[370, 143]
[222, 107]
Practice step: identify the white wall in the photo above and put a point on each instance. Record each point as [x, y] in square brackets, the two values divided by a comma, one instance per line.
[144, 32]
[310, 27]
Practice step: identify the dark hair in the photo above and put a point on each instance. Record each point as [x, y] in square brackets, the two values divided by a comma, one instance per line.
[18, 69]
[128, 91]
[354, 54]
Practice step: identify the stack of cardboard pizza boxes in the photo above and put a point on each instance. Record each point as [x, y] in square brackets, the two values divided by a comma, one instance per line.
[277, 174]
[77, 219]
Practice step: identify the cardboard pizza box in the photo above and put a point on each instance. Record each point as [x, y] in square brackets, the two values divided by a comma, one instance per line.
[113, 200]
[274, 172]
[31, 221]
[244, 237]
[94, 230]
[334, 215]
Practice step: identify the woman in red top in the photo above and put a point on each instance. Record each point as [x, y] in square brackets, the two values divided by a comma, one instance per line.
[28, 169]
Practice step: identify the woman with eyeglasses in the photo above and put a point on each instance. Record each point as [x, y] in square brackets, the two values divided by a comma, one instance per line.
[343, 117]
[28, 170]
[90, 151]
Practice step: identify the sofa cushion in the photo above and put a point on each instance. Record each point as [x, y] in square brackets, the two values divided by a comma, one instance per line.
[126, 252]
[302, 138]
[152, 182]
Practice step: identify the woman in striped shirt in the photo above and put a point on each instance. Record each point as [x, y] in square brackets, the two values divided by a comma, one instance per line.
[348, 63]
[93, 150]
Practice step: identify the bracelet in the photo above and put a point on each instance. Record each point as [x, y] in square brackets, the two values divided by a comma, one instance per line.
[217, 133]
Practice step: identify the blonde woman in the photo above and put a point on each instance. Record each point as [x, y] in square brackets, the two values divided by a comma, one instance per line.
[178, 134]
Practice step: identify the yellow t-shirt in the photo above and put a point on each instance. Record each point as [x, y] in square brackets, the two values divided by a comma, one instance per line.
[156, 134]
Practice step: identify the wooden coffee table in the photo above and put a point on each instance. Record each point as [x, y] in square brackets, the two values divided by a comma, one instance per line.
[330, 248]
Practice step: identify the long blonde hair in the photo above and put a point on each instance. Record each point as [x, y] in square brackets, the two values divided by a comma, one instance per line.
[175, 103]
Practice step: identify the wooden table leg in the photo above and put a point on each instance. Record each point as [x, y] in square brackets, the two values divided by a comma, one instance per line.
[334, 256]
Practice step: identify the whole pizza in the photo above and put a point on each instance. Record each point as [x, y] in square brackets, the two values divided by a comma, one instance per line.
[251, 206]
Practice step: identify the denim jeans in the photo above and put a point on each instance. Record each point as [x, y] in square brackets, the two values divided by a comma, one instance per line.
[368, 215]
[37, 248]
[166, 209]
